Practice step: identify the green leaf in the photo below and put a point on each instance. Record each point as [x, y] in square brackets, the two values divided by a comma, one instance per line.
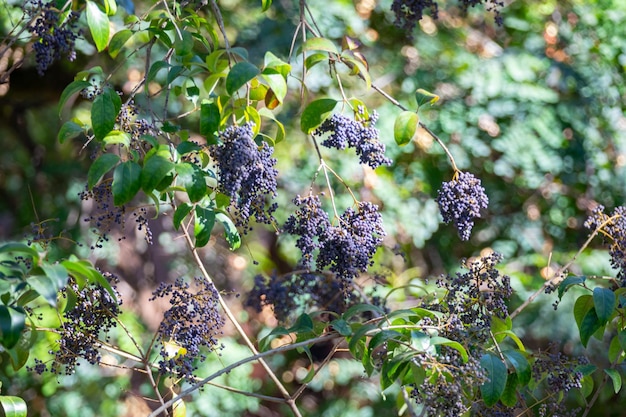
[405, 127]
[587, 386]
[230, 231]
[154, 170]
[315, 59]
[44, 287]
[615, 351]
[21, 351]
[84, 270]
[13, 406]
[69, 130]
[276, 82]
[265, 4]
[583, 304]
[57, 273]
[12, 323]
[520, 364]
[362, 308]
[179, 409]
[381, 337]
[437, 340]
[110, 7]
[186, 147]
[588, 326]
[117, 42]
[359, 335]
[621, 336]
[303, 324]
[420, 94]
[204, 221]
[184, 46]
[98, 23]
[393, 370]
[126, 182]
[616, 378]
[72, 88]
[342, 327]
[494, 387]
[568, 282]
[101, 166]
[604, 302]
[104, 111]
[115, 137]
[509, 396]
[209, 120]
[315, 113]
[21, 248]
[319, 44]
[191, 177]
[240, 74]
[154, 70]
[181, 212]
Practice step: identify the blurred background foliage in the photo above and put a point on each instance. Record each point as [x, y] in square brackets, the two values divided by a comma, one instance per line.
[534, 108]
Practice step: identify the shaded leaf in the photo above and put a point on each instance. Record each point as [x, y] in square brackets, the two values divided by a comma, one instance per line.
[101, 166]
[126, 182]
[604, 303]
[98, 23]
[494, 387]
[12, 323]
[315, 113]
[204, 221]
[239, 75]
[230, 231]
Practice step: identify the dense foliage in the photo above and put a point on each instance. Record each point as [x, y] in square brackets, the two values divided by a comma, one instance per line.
[244, 207]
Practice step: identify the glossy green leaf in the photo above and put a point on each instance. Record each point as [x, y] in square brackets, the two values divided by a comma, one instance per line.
[126, 182]
[154, 70]
[621, 336]
[315, 113]
[588, 326]
[110, 7]
[520, 364]
[230, 231]
[266, 4]
[83, 270]
[203, 225]
[363, 308]
[101, 166]
[154, 170]
[21, 351]
[393, 370]
[604, 303]
[209, 120]
[239, 75]
[342, 327]
[303, 324]
[359, 336]
[509, 395]
[21, 248]
[72, 88]
[437, 340]
[183, 46]
[315, 59]
[181, 213]
[569, 282]
[117, 137]
[191, 177]
[493, 388]
[615, 351]
[44, 287]
[13, 406]
[57, 273]
[276, 82]
[104, 111]
[583, 304]
[12, 323]
[118, 41]
[69, 130]
[405, 127]
[616, 378]
[98, 23]
[319, 44]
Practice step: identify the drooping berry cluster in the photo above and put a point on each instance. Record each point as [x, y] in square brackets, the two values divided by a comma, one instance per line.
[346, 248]
[85, 326]
[247, 174]
[54, 38]
[104, 215]
[310, 222]
[193, 322]
[358, 134]
[128, 122]
[613, 229]
[460, 202]
[296, 293]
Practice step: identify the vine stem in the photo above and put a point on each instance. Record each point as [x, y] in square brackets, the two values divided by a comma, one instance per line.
[257, 356]
[557, 278]
[289, 400]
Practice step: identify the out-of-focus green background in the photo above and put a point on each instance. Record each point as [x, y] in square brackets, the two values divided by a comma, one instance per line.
[534, 108]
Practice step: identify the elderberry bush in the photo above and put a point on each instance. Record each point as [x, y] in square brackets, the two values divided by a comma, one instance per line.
[247, 174]
[192, 324]
[53, 38]
[361, 135]
[460, 202]
[613, 229]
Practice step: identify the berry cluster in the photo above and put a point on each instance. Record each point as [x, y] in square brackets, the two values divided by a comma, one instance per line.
[460, 201]
[298, 292]
[613, 228]
[310, 222]
[445, 395]
[85, 326]
[128, 122]
[247, 174]
[193, 322]
[104, 214]
[358, 134]
[347, 248]
[54, 38]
